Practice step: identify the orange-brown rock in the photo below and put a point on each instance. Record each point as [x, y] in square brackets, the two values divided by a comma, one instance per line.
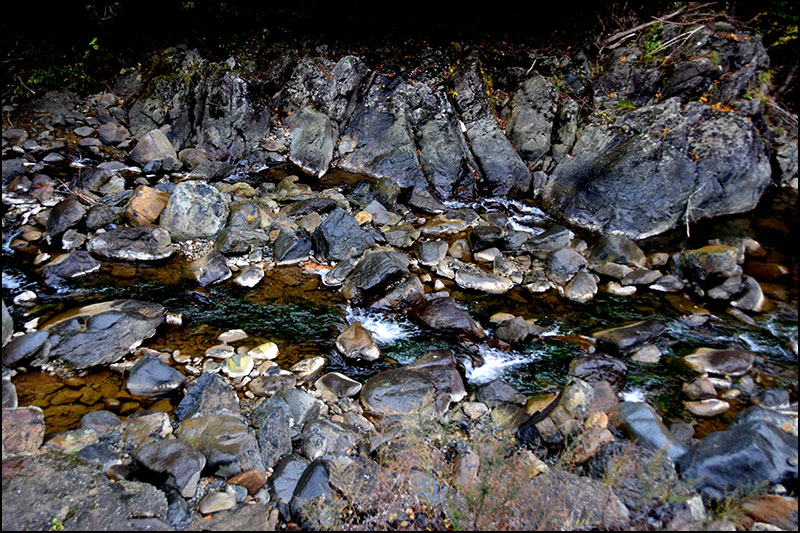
[146, 205]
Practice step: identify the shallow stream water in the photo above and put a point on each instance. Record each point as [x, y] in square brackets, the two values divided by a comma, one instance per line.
[303, 317]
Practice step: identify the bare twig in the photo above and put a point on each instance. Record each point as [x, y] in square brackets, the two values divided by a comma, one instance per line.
[689, 208]
[23, 84]
[78, 194]
[625, 33]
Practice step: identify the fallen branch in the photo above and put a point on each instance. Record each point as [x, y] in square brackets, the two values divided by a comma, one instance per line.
[23, 84]
[81, 196]
[689, 209]
[625, 33]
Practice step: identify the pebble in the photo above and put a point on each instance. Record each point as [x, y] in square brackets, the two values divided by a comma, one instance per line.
[220, 351]
[232, 335]
[267, 350]
[308, 367]
[217, 501]
[707, 408]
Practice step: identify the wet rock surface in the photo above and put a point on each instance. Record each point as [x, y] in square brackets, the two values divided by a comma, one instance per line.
[250, 302]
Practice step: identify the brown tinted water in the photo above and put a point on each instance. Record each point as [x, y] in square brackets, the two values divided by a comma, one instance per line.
[293, 309]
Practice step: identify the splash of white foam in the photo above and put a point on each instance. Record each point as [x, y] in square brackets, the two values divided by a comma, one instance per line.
[496, 364]
[384, 328]
[633, 395]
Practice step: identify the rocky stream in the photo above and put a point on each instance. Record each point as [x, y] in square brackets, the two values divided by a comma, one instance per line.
[233, 297]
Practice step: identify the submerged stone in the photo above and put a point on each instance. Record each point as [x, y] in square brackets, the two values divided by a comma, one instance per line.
[731, 362]
[150, 377]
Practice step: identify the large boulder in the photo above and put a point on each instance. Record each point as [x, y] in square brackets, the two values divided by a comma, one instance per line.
[754, 449]
[373, 274]
[444, 315]
[205, 105]
[208, 394]
[132, 244]
[227, 443]
[340, 236]
[100, 334]
[638, 421]
[504, 172]
[314, 138]
[428, 385]
[533, 110]
[175, 458]
[443, 152]
[658, 165]
[378, 140]
[194, 210]
[155, 146]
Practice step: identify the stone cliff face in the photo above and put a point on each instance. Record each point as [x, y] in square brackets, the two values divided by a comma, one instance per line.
[636, 144]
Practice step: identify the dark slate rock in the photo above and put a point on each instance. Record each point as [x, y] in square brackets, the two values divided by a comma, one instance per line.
[442, 369]
[275, 431]
[226, 441]
[504, 172]
[102, 454]
[176, 458]
[632, 179]
[313, 490]
[291, 247]
[713, 263]
[612, 248]
[314, 138]
[25, 346]
[533, 110]
[323, 436]
[563, 264]
[553, 238]
[340, 237]
[211, 269]
[752, 450]
[640, 422]
[498, 392]
[103, 422]
[286, 474]
[132, 244]
[423, 200]
[445, 158]
[378, 140]
[599, 367]
[150, 377]
[101, 216]
[443, 314]
[208, 394]
[515, 331]
[64, 215]
[623, 339]
[373, 274]
[101, 334]
[432, 252]
[240, 240]
[484, 237]
[406, 295]
[69, 266]
[194, 210]
[303, 207]
[398, 391]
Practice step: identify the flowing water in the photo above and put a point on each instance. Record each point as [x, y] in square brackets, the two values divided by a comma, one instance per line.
[292, 308]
